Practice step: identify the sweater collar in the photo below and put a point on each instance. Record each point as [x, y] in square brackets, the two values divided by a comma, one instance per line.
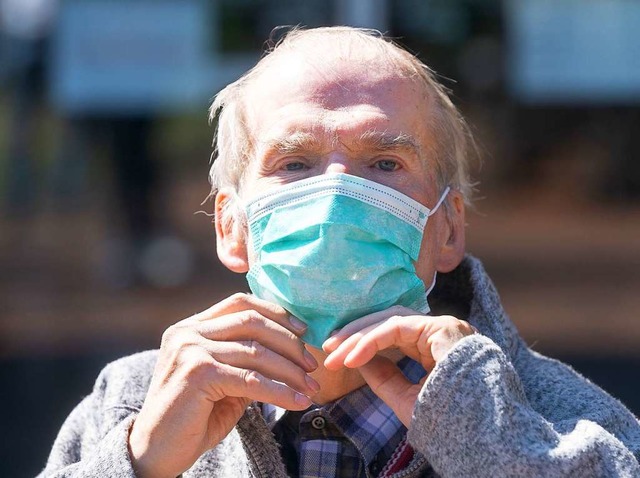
[468, 293]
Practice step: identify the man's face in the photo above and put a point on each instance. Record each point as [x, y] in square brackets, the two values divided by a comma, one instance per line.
[345, 118]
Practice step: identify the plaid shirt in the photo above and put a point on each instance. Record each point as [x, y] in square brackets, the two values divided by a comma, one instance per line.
[352, 437]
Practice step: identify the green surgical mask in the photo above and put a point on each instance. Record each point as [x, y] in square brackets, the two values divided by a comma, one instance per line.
[333, 248]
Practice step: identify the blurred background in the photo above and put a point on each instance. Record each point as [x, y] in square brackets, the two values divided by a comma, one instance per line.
[104, 154]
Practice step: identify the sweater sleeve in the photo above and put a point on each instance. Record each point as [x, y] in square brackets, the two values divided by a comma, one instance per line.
[480, 414]
[93, 440]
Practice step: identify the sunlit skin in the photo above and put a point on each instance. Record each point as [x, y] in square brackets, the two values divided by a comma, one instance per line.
[306, 120]
[308, 124]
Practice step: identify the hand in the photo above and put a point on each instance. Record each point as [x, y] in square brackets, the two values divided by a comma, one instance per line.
[425, 339]
[210, 367]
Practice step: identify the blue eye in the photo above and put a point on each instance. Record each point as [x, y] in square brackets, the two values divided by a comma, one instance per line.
[387, 165]
[294, 166]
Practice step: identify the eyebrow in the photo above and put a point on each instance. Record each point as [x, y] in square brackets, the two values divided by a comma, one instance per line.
[294, 143]
[386, 141]
[372, 140]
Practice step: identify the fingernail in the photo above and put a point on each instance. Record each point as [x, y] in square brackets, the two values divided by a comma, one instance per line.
[297, 324]
[303, 400]
[329, 340]
[348, 359]
[311, 361]
[313, 385]
[326, 346]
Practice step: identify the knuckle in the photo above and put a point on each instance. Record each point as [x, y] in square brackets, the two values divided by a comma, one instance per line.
[237, 299]
[168, 336]
[255, 349]
[199, 366]
[467, 328]
[275, 309]
[449, 321]
[249, 318]
[175, 336]
[252, 378]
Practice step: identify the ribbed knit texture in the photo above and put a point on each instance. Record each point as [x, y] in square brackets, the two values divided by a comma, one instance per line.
[491, 408]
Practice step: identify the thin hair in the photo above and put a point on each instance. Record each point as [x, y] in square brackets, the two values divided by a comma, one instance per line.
[234, 144]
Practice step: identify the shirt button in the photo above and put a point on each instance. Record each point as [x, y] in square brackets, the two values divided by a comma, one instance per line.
[318, 423]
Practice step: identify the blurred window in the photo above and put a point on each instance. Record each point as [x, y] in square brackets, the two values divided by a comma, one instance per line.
[245, 24]
[572, 51]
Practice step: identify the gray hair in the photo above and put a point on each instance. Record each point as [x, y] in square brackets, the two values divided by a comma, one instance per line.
[233, 142]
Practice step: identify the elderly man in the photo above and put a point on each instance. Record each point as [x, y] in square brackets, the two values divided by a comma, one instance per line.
[340, 186]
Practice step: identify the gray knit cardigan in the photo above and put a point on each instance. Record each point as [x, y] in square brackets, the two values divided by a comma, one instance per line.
[491, 408]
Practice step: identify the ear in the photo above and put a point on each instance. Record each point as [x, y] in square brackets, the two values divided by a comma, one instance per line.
[231, 238]
[453, 243]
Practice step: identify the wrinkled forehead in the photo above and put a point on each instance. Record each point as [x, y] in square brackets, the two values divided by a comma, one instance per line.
[309, 70]
[333, 80]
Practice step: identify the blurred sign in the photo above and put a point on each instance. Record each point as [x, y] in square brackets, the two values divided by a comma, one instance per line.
[132, 56]
[574, 51]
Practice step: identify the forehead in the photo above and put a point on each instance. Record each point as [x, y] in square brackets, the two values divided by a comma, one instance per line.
[296, 88]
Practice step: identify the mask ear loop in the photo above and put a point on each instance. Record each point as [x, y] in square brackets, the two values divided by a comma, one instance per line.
[440, 201]
[435, 208]
[433, 283]
[426, 308]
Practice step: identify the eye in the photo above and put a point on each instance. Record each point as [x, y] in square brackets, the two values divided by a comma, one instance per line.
[387, 165]
[294, 166]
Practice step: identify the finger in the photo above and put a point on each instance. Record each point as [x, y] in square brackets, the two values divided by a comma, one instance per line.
[409, 334]
[406, 333]
[241, 302]
[364, 322]
[387, 381]
[335, 359]
[243, 383]
[252, 355]
[250, 325]
[423, 338]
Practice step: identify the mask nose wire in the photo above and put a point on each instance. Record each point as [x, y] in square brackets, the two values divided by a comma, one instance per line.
[440, 201]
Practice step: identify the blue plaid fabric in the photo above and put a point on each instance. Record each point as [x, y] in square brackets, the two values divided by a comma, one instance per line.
[352, 437]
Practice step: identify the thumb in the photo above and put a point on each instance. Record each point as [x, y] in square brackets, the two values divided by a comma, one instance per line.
[225, 415]
[387, 382]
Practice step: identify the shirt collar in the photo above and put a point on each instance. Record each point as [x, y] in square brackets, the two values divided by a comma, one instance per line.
[362, 417]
